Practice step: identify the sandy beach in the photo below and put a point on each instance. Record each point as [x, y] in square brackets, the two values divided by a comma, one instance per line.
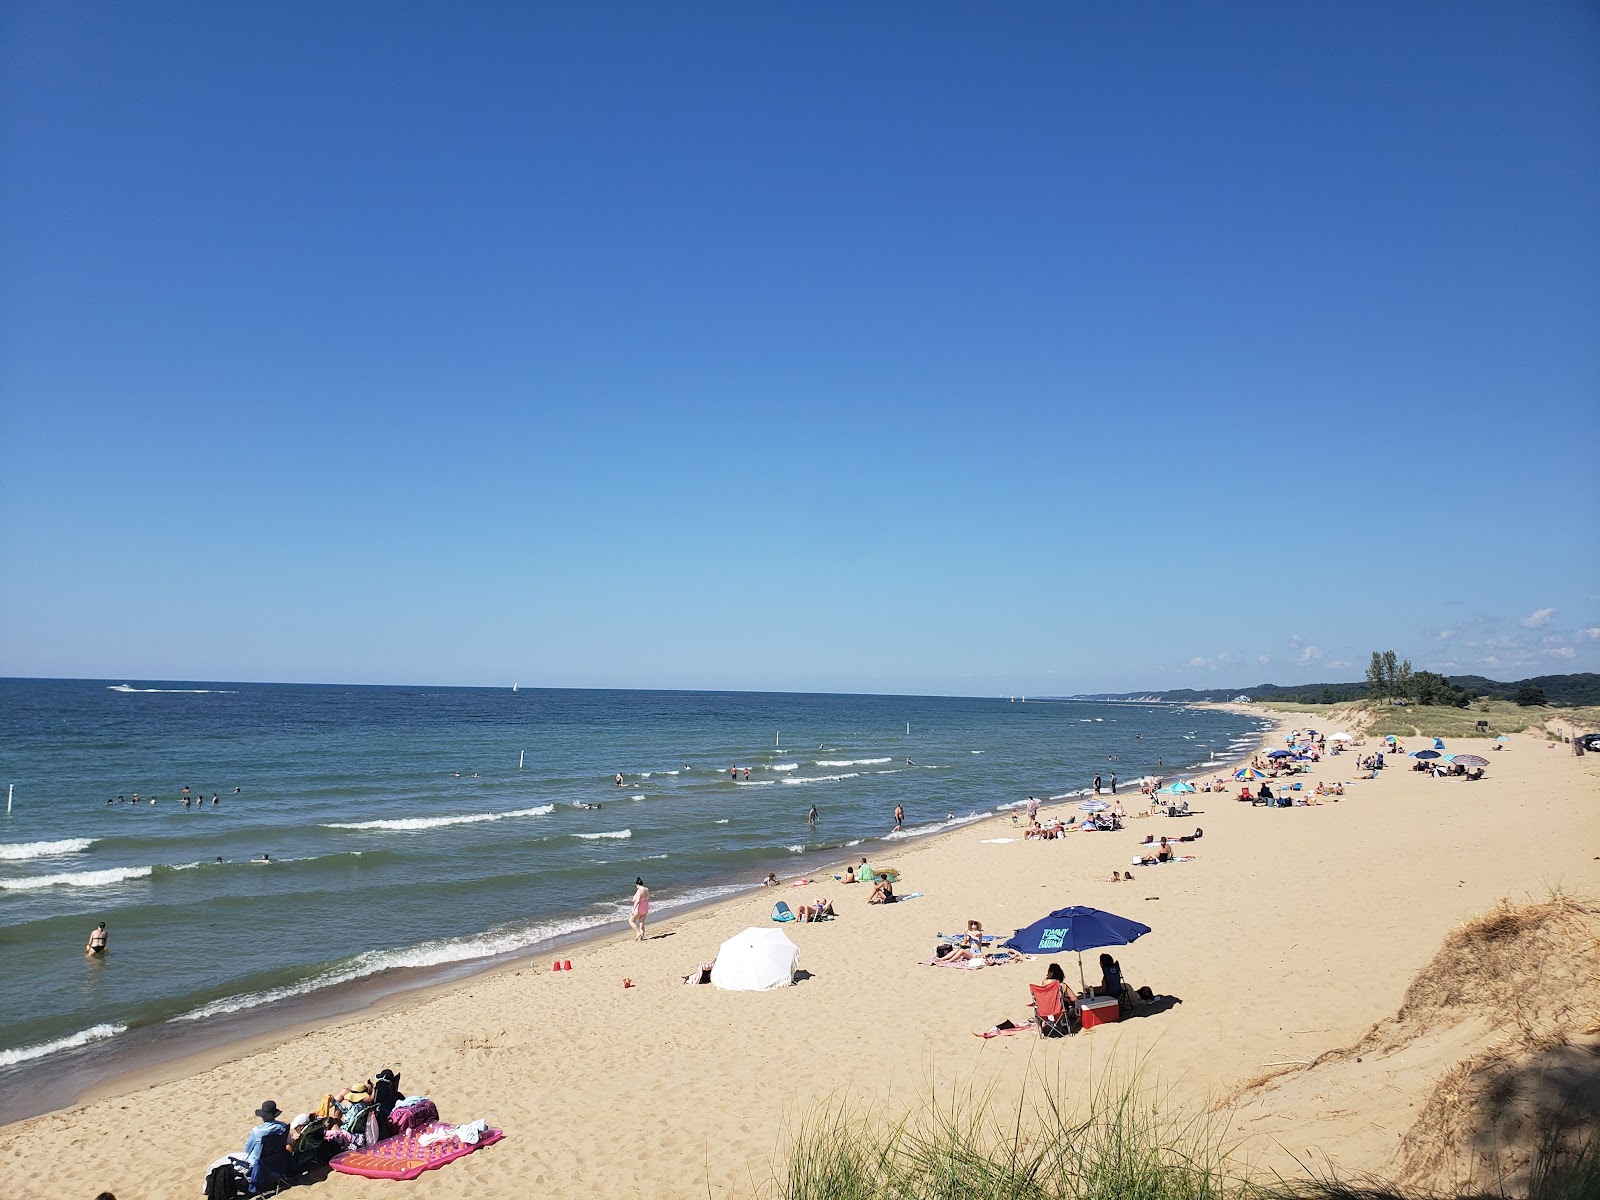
[1291, 932]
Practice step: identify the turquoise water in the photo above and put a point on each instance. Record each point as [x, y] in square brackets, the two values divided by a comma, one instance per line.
[403, 833]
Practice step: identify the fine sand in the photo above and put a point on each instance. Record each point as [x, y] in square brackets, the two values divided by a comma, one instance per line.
[1292, 932]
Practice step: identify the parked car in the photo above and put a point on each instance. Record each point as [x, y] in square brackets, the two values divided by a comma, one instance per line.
[1590, 742]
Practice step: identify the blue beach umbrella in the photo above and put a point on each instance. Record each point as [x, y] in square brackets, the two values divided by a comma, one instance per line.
[1424, 754]
[1179, 789]
[1279, 753]
[1077, 928]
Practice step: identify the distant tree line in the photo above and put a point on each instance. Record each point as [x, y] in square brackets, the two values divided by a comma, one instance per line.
[1397, 681]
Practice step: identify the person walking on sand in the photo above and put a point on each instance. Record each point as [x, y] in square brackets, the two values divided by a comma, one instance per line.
[641, 909]
[899, 816]
[97, 941]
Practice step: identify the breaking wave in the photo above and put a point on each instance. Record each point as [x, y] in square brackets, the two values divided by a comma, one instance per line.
[20, 851]
[412, 824]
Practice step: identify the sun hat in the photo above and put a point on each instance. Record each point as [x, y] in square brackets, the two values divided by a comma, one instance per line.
[268, 1110]
[302, 1119]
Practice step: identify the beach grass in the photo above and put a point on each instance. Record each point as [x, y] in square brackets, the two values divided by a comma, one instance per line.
[1419, 720]
[1120, 1143]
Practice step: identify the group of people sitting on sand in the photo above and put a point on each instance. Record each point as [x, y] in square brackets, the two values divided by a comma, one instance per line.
[356, 1117]
[970, 948]
[1058, 1010]
[1090, 823]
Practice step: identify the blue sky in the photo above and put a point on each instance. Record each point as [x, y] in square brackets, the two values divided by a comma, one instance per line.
[908, 348]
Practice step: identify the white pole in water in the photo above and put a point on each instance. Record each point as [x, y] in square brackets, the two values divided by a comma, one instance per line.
[10, 787]
[520, 753]
[908, 728]
[775, 734]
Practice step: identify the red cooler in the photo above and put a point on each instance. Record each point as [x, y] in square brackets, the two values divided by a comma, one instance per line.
[1099, 1010]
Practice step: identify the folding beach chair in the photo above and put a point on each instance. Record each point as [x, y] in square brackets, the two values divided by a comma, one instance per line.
[1054, 1017]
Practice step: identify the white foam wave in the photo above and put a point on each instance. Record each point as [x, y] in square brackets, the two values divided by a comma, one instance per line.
[423, 954]
[122, 687]
[77, 879]
[18, 851]
[823, 778]
[95, 1033]
[760, 782]
[921, 830]
[850, 762]
[615, 833]
[784, 767]
[724, 821]
[412, 824]
[797, 849]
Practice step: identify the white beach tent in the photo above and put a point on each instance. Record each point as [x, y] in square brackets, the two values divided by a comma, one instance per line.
[755, 960]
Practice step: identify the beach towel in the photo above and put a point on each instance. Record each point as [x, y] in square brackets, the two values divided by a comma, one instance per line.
[407, 1117]
[403, 1157]
[1004, 1029]
[1138, 862]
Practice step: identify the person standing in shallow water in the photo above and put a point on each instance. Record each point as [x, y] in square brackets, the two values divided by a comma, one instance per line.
[99, 941]
[1097, 783]
[899, 816]
[641, 909]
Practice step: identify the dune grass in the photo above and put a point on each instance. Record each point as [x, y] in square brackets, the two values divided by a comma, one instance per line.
[1120, 1142]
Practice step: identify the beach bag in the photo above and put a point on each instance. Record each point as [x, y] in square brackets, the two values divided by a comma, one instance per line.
[385, 1093]
[361, 1123]
[227, 1181]
[782, 912]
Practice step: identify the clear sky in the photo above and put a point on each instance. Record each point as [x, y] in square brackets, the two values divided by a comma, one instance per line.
[1031, 348]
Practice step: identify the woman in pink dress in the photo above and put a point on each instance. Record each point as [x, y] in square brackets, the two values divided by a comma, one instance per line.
[641, 909]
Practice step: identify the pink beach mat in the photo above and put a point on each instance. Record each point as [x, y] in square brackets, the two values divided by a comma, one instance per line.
[400, 1157]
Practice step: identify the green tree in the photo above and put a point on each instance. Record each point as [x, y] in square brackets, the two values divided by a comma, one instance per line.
[1375, 687]
[1327, 695]
[1391, 673]
[1530, 694]
[1402, 679]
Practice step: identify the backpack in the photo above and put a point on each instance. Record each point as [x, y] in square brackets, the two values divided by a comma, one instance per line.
[226, 1181]
[385, 1093]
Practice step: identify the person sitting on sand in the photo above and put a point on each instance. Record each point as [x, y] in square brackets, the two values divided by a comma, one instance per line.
[1321, 790]
[974, 935]
[1265, 793]
[864, 873]
[821, 909]
[882, 893]
[947, 955]
[1069, 998]
[1110, 977]
[771, 880]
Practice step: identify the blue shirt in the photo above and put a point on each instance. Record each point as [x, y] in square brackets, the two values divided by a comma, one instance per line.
[252, 1144]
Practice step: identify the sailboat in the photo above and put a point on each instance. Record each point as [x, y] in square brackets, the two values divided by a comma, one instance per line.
[513, 687]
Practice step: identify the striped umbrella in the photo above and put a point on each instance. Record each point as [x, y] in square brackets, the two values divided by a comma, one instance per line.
[1471, 760]
[1250, 775]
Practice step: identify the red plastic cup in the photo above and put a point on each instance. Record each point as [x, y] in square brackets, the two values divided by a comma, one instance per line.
[556, 965]
[566, 964]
